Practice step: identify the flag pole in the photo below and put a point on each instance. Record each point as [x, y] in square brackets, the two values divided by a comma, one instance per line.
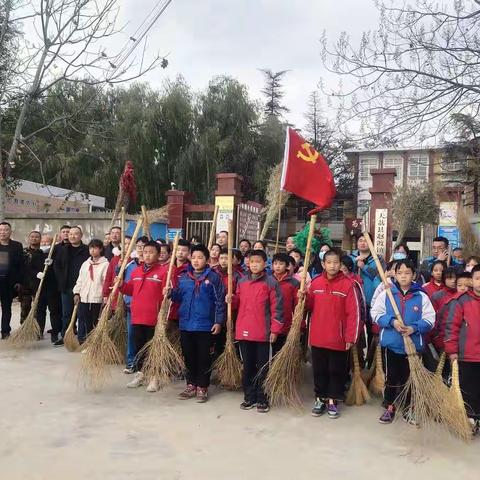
[279, 220]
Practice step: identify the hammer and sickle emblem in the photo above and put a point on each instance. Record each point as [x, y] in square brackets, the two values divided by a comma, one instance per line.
[311, 155]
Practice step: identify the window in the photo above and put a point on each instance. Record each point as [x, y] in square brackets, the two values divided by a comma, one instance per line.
[365, 165]
[454, 165]
[395, 162]
[418, 167]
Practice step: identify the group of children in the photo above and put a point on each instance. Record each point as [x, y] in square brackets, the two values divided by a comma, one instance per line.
[342, 297]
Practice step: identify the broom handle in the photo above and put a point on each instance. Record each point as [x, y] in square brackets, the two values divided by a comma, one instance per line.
[146, 225]
[72, 318]
[308, 249]
[45, 269]
[381, 272]
[122, 232]
[213, 230]
[123, 266]
[277, 240]
[172, 259]
[230, 278]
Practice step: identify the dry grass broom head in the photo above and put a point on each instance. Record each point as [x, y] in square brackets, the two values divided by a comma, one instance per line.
[156, 214]
[441, 365]
[285, 373]
[70, 340]
[377, 383]
[100, 353]
[229, 367]
[27, 333]
[117, 328]
[162, 359]
[470, 243]
[357, 393]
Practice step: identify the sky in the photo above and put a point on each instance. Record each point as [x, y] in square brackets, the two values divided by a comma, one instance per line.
[205, 38]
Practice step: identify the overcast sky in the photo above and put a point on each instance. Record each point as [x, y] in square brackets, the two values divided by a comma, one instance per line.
[237, 37]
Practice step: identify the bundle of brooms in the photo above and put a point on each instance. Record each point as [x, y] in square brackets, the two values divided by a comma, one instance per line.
[228, 365]
[357, 393]
[70, 340]
[100, 350]
[285, 374]
[424, 393]
[162, 360]
[29, 331]
[377, 380]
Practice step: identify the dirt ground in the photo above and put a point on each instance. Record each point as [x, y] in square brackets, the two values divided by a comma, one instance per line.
[51, 428]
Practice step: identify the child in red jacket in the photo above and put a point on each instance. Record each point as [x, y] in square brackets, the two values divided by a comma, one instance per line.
[437, 279]
[462, 343]
[259, 321]
[146, 289]
[289, 289]
[334, 328]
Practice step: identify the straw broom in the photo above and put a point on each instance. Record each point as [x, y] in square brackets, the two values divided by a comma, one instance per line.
[228, 365]
[357, 393]
[283, 379]
[422, 390]
[29, 331]
[457, 419]
[118, 324]
[162, 360]
[441, 365]
[377, 384]
[70, 340]
[100, 349]
[213, 229]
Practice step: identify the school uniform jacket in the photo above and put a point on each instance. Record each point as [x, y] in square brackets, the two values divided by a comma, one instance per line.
[437, 336]
[260, 308]
[112, 271]
[462, 328]
[90, 280]
[223, 274]
[416, 310]
[201, 300]
[176, 274]
[146, 289]
[430, 288]
[335, 319]
[289, 287]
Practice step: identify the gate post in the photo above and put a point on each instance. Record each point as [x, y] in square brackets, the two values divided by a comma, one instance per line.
[176, 201]
[227, 196]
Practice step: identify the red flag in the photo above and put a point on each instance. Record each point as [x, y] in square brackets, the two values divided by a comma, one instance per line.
[305, 172]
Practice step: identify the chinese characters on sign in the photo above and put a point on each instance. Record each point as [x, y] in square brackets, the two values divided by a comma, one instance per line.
[381, 222]
[225, 211]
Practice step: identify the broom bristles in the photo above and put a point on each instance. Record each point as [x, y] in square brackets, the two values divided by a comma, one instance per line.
[357, 393]
[70, 340]
[117, 327]
[285, 373]
[28, 332]
[441, 365]
[229, 367]
[377, 383]
[162, 360]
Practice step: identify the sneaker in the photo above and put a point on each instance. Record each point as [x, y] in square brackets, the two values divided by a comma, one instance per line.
[128, 370]
[247, 405]
[332, 411]
[319, 408]
[202, 395]
[137, 381]
[263, 407]
[58, 343]
[153, 385]
[388, 415]
[409, 417]
[54, 338]
[189, 392]
[5, 336]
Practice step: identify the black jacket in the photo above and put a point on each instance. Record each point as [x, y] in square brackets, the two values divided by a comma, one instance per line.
[11, 263]
[108, 254]
[34, 261]
[67, 263]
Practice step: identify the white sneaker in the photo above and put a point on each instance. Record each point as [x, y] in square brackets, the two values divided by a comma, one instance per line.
[137, 381]
[153, 385]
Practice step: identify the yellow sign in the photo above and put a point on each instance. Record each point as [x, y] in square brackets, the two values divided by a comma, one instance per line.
[311, 155]
[226, 205]
[448, 214]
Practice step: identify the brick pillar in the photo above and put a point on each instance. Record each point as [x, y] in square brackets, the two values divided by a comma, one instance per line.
[227, 196]
[176, 201]
[383, 183]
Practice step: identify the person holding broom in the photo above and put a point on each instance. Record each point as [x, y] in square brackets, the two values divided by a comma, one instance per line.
[258, 300]
[462, 344]
[418, 319]
[146, 287]
[334, 329]
[200, 295]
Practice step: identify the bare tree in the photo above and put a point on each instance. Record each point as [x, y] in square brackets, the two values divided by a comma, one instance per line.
[70, 46]
[411, 74]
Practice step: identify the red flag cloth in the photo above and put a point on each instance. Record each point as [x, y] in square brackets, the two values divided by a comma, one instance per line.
[305, 172]
[127, 182]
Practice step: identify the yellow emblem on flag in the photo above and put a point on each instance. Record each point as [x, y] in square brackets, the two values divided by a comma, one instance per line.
[311, 154]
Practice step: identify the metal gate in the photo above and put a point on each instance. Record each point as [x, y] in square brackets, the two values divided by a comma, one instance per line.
[199, 228]
[248, 221]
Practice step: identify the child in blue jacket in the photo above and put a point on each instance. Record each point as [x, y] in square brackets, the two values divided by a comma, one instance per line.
[418, 317]
[201, 296]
